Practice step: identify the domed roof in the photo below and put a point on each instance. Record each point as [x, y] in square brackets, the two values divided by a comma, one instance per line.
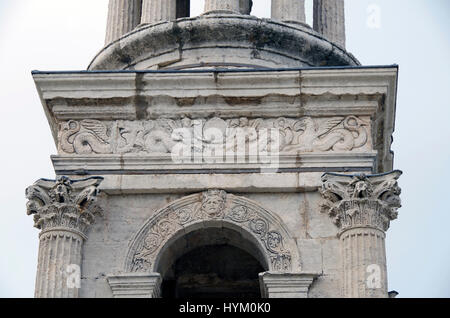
[221, 41]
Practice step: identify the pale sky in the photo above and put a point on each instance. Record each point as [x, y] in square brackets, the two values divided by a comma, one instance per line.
[66, 35]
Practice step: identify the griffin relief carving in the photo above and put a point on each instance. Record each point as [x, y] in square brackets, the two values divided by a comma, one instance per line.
[304, 135]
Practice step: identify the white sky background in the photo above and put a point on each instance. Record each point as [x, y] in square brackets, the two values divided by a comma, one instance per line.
[66, 34]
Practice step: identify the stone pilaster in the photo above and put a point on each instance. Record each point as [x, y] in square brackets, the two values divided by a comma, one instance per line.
[226, 6]
[136, 285]
[285, 285]
[123, 17]
[362, 207]
[289, 11]
[329, 20]
[154, 11]
[63, 210]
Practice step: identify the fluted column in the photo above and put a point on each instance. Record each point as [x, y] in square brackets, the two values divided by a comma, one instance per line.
[231, 6]
[63, 210]
[158, 10]
[329, 20]
[123, 17]
[362, 207]
[289, 10]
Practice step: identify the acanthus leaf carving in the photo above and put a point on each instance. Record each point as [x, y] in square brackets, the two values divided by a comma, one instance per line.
[361, 200]
[64, 203]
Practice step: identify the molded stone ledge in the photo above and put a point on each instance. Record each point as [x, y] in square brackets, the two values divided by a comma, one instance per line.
[135, 285]
[173, 183]
[286, 285]
[163, 164]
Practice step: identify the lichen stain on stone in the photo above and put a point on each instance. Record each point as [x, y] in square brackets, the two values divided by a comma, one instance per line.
[233, 101]
[185, 101]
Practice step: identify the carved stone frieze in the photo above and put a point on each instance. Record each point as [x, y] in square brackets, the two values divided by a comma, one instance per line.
[64, 203]
[212, 205]
[361, 200]
[300, 135]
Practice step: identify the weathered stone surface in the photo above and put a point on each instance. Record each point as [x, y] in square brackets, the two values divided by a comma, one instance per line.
[246, 6]
[64, 204]
[326, 286]
[63, 209]
[231, 6]
[304, 135]
[311, 255]
[261, 226]
[362, 207]
[291, 11]
[123, 17]
[136, 285]
[317, 225]
[220, 79]
[275, 285]
[158, 10]
[361, 200]
[93, 122]
[223, 41]
[329, 20]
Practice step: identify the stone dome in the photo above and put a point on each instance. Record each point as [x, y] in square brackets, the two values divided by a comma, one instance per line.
[221, 40]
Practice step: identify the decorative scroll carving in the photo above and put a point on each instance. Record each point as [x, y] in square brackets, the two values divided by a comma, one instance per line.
[361, 200]
[84, 137]
[209, 206]
[64, 203]
[307, 134]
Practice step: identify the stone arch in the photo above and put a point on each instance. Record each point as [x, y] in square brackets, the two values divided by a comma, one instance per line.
[208, 232]
[214, 209]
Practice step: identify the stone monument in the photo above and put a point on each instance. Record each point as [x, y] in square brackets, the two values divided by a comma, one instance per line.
[220, 155]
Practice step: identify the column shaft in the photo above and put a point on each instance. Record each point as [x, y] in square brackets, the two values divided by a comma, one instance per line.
[289, 10]
[232, 6]
[63, 210]
[362, 207]
[329, 20]
[59, 251]
[245, 6]
[364, 263]
[123, 17]
[154, 11]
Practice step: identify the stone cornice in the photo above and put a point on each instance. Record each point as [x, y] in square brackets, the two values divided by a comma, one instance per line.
[109, 97]
[361, 200]
[64, 204]
[163, 164]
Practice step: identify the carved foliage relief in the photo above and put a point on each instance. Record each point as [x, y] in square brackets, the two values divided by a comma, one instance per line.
[64, 203]
[211, 205]
[361, 200]
[307, 134]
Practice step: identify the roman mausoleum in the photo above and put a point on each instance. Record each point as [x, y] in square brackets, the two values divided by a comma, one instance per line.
[219, 155]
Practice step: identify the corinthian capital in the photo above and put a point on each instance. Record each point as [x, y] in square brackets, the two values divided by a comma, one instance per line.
[64, 204]
[361, 200]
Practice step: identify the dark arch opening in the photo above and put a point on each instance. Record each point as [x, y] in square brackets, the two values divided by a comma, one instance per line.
[211, 263]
